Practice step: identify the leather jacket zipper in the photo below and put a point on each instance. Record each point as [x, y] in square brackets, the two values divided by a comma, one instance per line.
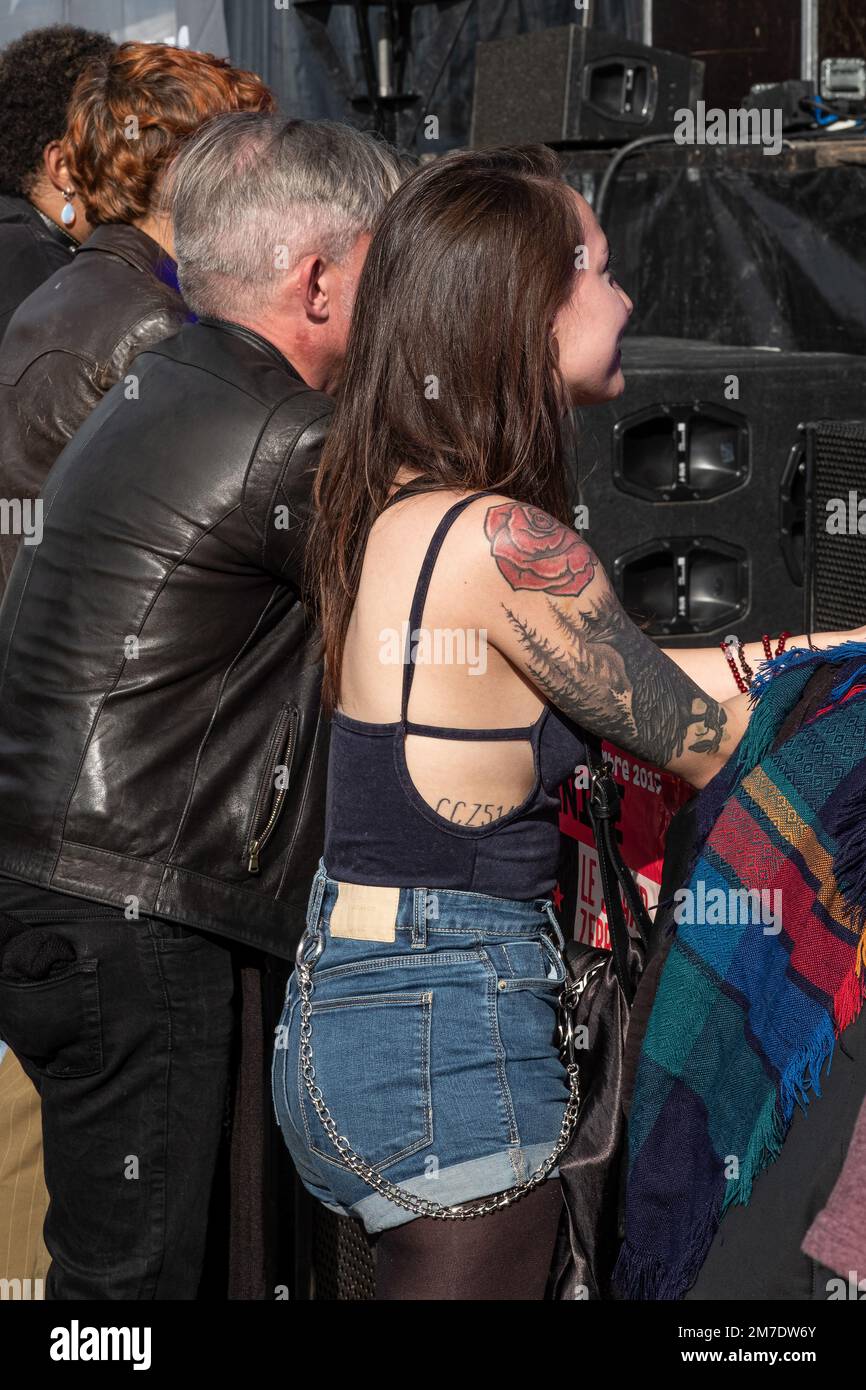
[280, 754]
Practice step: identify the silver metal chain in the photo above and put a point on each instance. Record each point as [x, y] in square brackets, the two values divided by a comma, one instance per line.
[421, 1206]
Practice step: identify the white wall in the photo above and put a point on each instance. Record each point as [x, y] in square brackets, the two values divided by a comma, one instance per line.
[195, 23]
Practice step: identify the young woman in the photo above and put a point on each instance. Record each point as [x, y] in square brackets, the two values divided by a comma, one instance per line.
[469, 633]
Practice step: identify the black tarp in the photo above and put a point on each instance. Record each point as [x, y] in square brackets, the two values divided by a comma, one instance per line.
[737, 247]
[309, 55]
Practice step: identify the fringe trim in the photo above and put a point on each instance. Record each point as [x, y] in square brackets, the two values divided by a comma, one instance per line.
[848, 828]
[802, 1073]
[844, 686]
[771, 701]
[771, 704]
[798, 657]
[764, 1147]
[639, 1274]
[850, 995]
[799, 663]
[791, 660]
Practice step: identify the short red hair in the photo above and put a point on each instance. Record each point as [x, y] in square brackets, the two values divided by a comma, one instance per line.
[130, 112]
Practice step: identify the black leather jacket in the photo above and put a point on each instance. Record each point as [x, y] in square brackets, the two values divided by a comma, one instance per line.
[71, 340]
[31, 249]
[161, 745]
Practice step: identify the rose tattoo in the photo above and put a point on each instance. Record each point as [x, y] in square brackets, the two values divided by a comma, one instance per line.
[534, 551]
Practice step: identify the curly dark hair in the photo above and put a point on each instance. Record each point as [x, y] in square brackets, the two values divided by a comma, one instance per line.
[37, 75]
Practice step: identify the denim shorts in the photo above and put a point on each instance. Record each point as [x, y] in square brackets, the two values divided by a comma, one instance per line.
[435, 1052]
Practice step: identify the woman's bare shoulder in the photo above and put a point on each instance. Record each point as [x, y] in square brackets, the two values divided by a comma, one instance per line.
[423, 512]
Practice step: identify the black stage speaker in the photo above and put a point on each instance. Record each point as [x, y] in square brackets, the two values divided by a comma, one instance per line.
[836, 524]
[570, 84]
[694, 482]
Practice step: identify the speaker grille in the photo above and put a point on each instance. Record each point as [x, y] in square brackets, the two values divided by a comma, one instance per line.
[836, 563]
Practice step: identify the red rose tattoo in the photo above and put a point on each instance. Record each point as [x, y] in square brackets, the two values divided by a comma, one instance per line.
[533, 551]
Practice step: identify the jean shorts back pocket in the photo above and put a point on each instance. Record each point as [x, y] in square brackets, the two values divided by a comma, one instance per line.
[55, 1024]
[371, 1055]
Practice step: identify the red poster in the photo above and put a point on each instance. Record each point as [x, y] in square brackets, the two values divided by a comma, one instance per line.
[649, 799]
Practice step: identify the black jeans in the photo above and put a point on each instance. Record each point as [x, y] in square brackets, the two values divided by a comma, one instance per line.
[129, 1046]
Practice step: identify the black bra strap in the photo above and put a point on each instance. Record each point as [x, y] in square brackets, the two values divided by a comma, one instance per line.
[407, 490]
[423, 584]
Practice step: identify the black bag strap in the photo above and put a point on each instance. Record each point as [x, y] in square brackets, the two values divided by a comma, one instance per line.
[603, 804]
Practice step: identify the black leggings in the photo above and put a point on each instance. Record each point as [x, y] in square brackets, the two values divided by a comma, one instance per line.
[505, 1255]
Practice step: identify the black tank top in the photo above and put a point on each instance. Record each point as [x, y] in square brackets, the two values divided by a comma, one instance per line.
[380, 830]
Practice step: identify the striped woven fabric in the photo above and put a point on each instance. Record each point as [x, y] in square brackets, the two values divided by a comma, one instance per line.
[766, 969]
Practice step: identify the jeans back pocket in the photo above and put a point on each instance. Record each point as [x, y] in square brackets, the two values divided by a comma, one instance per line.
[371, 1055]
[55, 1024]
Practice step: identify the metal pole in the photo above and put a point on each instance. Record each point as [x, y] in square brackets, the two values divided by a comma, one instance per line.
[809, 41]
[647, 23]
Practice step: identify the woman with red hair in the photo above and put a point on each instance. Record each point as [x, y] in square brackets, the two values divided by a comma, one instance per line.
[76, 335]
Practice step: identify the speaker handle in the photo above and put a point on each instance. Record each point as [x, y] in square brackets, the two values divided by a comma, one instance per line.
[792, 511]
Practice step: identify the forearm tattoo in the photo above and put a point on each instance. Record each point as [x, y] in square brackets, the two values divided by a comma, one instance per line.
[603, 671]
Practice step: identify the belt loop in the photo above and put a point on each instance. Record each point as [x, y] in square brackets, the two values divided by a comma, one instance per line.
[548, 907]
[419, 918]
[317, 892]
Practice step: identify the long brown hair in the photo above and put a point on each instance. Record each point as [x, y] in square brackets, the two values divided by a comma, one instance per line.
[450, 367]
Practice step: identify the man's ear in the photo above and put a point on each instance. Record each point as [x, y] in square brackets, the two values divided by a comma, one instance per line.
[314, 295]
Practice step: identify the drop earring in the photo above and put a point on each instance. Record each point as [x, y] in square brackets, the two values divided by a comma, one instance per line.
[67, 216]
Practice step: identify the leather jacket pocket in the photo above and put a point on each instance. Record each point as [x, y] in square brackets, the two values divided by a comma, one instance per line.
[274, 784]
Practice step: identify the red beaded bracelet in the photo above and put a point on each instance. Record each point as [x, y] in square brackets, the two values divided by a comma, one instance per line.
[747, 670]
[780, 645]
[741, 686]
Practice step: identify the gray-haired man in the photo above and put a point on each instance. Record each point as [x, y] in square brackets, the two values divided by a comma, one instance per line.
[161, 754]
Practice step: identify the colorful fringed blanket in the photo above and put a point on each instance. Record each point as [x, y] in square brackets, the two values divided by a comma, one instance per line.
[765, 970]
